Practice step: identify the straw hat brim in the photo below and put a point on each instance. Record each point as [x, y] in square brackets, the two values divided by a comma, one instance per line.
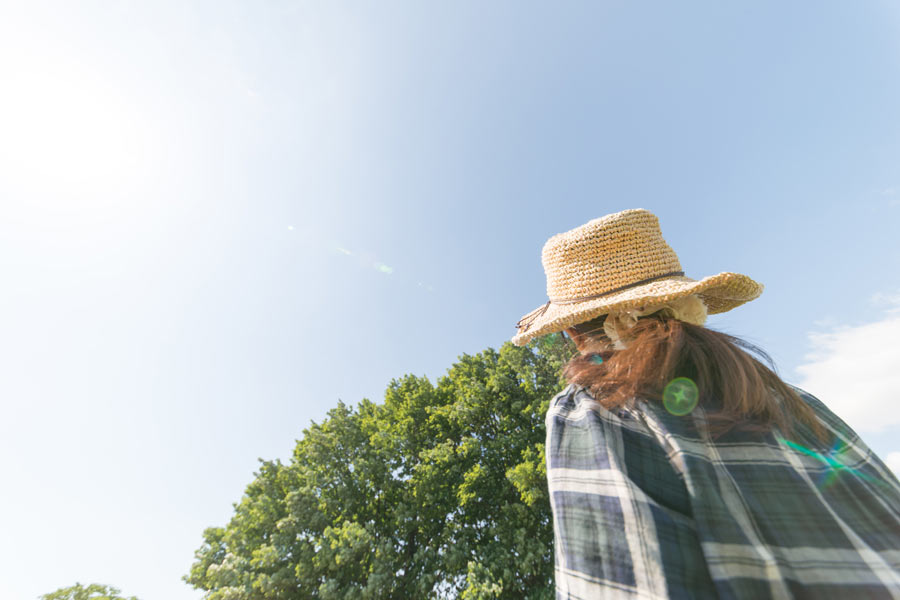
[720, 293]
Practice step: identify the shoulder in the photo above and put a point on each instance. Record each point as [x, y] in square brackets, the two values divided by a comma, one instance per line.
[572, 398]
[843, 437]
[575, 403]
[565, 399]
[834, 423]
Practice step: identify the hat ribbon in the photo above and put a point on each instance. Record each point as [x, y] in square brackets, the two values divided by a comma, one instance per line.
[526, 321]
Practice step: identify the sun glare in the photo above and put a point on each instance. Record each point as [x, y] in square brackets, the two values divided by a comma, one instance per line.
[64, 126]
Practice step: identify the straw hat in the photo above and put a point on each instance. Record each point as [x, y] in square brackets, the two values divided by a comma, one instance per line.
[616, 263]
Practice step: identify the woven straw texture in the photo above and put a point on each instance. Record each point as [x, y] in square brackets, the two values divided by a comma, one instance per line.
[613, 252]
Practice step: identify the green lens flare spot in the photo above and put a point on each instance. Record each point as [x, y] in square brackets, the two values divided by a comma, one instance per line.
[597, 359]
[835, 467]
[680, 396]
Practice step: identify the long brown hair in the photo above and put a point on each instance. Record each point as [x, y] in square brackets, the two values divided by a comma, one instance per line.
[736, 388]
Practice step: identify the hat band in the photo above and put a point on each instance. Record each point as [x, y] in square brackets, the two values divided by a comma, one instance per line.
[526, 324]
[618, 289]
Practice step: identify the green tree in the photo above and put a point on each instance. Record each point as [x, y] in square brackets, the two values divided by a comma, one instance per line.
[438, 492]
[94, 591]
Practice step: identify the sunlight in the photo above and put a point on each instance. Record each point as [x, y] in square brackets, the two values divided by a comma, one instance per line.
[64, 127]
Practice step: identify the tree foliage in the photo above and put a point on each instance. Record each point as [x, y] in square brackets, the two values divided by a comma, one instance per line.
[94, 591]
[438, 492]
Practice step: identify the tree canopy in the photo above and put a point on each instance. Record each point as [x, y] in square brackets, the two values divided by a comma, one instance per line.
[94, 591]
[438, 492]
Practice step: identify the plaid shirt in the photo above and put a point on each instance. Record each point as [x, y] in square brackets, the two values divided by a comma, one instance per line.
[646, 505]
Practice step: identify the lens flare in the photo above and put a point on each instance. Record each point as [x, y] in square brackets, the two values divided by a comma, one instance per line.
[835, 466]
[680, 396]
[369, 261]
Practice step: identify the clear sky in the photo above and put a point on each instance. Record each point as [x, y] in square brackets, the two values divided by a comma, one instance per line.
[219, 218]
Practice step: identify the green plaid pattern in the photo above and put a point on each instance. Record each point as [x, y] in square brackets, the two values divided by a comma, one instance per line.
[646, 505]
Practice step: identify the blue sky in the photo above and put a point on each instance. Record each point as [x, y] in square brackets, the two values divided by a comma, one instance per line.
[219, 218]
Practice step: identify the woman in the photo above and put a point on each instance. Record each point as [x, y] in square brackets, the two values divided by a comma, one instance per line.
[679, 466]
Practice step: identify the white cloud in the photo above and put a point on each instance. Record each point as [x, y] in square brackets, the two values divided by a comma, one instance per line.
[855, 370]
[891, 193]
[892, 300]
[892, 460]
